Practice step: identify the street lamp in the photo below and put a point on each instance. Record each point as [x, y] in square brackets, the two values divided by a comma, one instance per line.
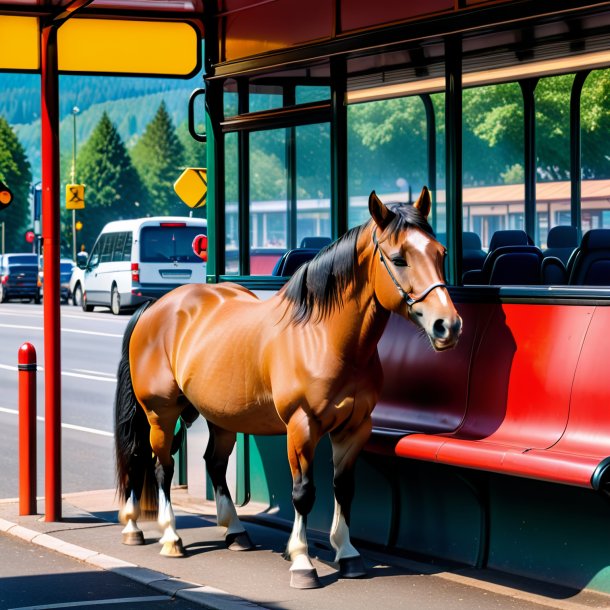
[75, 111]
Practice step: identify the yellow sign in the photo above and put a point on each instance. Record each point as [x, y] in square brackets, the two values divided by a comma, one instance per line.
[19, 43]
[75, 196]
[129, 47]
[192, 186]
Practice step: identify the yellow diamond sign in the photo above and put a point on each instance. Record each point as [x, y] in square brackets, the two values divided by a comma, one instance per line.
[192, 186]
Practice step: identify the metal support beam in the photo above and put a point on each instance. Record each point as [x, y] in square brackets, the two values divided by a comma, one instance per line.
[243, 165]
[575, 149]
[529, 160]
[338, 148]
[291, 170]
[453, 139]
[51, 244]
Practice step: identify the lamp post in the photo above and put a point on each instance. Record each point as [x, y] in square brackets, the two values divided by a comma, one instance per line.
[75, 111]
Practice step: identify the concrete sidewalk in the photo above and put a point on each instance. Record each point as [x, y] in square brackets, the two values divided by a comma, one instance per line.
[217, 578]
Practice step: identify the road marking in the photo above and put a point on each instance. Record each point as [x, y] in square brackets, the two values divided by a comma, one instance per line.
[96, 375]
[64, 330]
[66, 426]
[99, 602]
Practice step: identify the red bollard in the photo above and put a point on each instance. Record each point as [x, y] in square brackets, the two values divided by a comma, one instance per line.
[27, 429]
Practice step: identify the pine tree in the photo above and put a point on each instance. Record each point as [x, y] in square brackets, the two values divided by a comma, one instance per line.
[159, 157]
[113, 188]
[15, 172]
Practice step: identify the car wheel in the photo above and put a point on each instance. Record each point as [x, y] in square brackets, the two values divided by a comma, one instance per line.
[115, 301]
[77, 296]
[84, 304]
[3, 297]
[37, 299]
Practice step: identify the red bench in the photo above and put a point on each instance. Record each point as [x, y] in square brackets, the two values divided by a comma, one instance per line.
[525, 393]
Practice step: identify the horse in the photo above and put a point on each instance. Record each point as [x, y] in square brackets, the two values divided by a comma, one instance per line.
[303, 363]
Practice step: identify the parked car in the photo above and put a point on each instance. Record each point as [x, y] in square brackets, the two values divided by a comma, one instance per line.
[19, 277]
[133, 261]
[66, 265]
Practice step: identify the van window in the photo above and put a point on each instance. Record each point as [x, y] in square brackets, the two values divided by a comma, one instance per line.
[169, 243]
[107, 247]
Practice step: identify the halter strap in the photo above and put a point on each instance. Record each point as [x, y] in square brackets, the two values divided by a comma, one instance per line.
[409, 298]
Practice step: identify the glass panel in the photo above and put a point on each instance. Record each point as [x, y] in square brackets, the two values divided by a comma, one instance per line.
[230, 103]
[387, 153]
[266, 98]
[493, 174]
[311, 94]
[269, 200]
[595, 126]
[552, 98]
[168, 243]
[313, 184]
[231, 206]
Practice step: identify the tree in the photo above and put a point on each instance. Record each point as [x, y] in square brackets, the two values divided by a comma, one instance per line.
[113, 188]
[159, 158]
[15, 172]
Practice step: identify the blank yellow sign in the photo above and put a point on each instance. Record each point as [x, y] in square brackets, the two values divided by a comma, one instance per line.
[128, 47]
[192, 186]
[19, 43]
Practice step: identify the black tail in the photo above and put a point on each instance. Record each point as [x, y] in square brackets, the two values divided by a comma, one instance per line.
[134, 459]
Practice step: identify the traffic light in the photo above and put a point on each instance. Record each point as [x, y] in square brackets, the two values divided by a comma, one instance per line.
[6, 196]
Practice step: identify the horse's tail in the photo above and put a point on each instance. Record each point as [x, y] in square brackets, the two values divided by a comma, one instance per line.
[133, 453]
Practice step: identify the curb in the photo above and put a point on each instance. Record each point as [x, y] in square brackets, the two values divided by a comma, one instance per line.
[205, 596]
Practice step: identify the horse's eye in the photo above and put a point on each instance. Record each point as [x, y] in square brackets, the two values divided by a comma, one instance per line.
[399, 261]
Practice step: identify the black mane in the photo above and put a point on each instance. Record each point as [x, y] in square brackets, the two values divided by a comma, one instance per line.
[319, 285]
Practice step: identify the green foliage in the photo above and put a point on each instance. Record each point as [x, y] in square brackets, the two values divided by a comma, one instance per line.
[113, 188]
[16, 174]
[159, 157]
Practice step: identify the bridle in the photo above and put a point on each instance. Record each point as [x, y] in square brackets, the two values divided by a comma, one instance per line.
[409, 298]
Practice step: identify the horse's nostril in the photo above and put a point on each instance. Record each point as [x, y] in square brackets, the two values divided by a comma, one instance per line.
[439, 328]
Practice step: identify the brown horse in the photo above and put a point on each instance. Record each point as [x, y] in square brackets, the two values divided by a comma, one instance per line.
[302, 363]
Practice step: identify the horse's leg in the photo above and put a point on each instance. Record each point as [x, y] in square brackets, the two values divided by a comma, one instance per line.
[302, 441]
[161, 436]
[130, 511]
[216, 456]
[346, 446]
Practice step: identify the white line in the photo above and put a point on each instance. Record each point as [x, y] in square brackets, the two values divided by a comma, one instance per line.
[64, 330]
[95, 372]
[96, 376]
[66, 426]
[100, 602]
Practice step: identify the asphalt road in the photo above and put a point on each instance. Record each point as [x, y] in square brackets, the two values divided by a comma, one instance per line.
[90, 349]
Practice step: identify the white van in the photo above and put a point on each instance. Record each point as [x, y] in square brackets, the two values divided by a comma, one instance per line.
[137, 260]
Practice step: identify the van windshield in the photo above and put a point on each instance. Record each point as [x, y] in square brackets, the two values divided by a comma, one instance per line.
[169, 243]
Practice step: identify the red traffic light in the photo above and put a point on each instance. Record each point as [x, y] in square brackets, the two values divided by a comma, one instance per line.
[30, 236]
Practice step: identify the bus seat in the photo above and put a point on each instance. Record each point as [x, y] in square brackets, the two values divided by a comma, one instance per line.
[292, 260]
[317, 242]
[473, 254]
[509, 265]
[561, 241]
[591, 264]
[553, 271]
[509, 237]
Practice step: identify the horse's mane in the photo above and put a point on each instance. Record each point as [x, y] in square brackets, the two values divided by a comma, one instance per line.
[319, 285]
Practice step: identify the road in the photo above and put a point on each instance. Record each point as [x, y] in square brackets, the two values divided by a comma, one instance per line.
[90, 348]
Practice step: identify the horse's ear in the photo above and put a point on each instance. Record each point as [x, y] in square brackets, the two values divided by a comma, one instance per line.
[380, 213]
[424, 203]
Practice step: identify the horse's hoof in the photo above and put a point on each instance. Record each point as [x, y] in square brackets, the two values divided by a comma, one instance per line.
[173, 548]
[352, 567]
[133, 538]
[239, 541]
[304, 579]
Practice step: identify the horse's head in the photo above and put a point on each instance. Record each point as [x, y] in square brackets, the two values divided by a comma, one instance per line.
[409, 277]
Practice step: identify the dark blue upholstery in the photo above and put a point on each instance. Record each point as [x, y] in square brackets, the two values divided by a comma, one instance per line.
[473, 254]
[510, 237]
[292, 260]
[509, 266]
[591, 263]
[561, 242]
[315, 242]
[553, 271]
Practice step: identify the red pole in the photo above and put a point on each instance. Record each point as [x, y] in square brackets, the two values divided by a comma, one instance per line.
[26, 359]
[51, 245]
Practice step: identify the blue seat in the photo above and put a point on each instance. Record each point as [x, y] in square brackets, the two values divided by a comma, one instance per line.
[315, 242]
[291, 260]
[473, 254]
[591, 263]
[561, 241]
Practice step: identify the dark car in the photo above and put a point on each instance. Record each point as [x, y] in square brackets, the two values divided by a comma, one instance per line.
[66, 266]
[19, 277]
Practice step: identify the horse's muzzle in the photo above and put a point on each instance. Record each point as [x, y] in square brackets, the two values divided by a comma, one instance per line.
[445, 333]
